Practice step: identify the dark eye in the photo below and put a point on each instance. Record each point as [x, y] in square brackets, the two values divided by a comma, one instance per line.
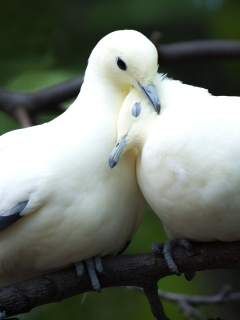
[121, 64]
[136, 110]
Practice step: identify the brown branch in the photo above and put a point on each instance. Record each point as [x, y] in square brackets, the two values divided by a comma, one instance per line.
[151, 292]
[133, 270]
[195, 50]
[46, 99]
[198, 50]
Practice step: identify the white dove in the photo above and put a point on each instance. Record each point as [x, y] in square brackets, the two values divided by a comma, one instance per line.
[188, 166]
[60, 203]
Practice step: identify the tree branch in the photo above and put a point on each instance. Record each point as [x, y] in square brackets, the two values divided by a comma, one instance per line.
[198, 50]
[189, 311]
[130, 270]
[224, 296]
[151, 292]
[46, 99]
[187, 302]
[195, 50]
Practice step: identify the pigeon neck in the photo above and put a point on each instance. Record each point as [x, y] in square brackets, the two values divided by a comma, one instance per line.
[105, 90]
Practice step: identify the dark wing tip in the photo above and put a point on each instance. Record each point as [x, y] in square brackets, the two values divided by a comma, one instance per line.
[10, 216]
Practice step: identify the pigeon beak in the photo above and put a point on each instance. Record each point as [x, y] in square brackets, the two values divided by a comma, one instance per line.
[117, 151]
[151, 94]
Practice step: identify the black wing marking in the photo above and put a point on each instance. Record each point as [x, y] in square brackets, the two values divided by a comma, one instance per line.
[10, 216]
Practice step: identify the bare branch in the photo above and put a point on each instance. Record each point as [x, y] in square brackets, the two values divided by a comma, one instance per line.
[151, 292]
[224, 296]
[45, 99]
[198, 50]
[187, 302]
[189, 311]
[134, 270]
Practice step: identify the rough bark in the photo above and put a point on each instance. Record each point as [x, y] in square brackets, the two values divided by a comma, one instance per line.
[138, 270]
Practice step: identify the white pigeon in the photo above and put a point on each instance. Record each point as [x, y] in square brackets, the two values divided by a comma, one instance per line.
[188, 164]
[60, 203]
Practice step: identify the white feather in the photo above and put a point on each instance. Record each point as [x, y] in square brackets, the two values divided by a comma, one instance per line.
[188, 165]
[78, 207]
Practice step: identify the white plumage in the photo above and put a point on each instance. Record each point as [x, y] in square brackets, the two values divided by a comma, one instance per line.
[73, 205]
[188, 164]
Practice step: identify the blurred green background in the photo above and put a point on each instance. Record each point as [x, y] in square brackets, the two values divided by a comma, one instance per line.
[46, 42]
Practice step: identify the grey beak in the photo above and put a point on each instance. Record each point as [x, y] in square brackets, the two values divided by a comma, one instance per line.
[151, 94]
[117, 151]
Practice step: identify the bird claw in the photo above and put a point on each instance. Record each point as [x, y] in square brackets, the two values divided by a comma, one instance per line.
[92, 265]
[98, 264]
[79, 268]
[157, 247]
[167, 250]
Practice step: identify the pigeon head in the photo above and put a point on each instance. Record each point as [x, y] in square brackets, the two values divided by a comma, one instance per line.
[127, 58]
[134, 118]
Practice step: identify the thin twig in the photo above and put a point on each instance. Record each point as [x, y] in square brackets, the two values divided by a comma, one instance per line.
[189, 311]
[187, 303]
[224, 296]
